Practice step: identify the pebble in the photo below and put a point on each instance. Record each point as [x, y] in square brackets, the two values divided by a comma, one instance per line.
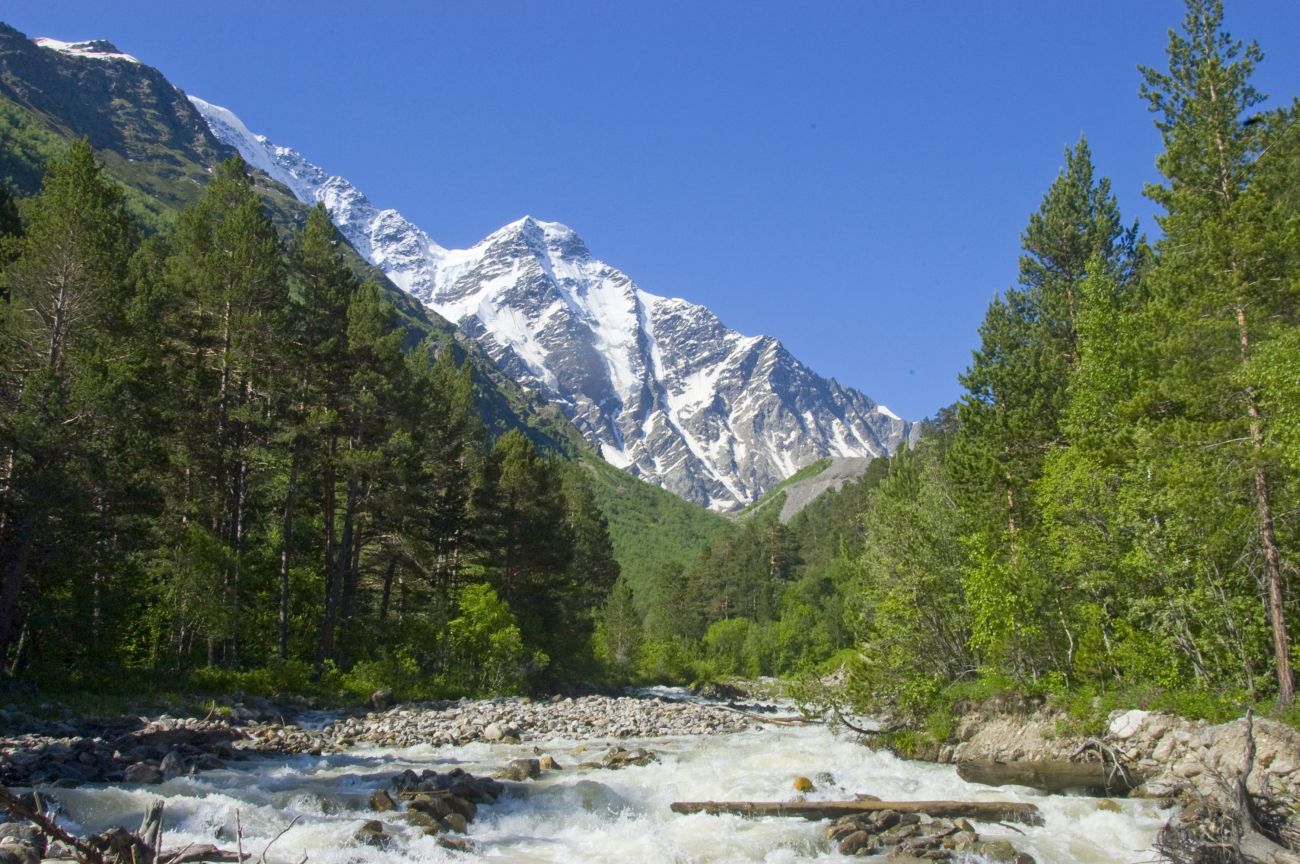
[141, 751]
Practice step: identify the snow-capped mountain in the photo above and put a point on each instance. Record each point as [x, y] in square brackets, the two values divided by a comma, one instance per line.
[660, 385]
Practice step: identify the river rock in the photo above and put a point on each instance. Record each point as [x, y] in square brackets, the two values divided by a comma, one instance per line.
[464, 806]
[521, 769]
[172, 765]
[22, 832]
[620, 758]
[142, 773]
[372, 833]
[14, 852]
[1002, 852]
[855, 843]
[435, 807]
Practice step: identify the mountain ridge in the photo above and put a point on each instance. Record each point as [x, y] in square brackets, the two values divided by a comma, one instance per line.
[659, 385]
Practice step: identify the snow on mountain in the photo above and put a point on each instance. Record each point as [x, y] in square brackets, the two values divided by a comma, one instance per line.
[660, 385]
[94, 49]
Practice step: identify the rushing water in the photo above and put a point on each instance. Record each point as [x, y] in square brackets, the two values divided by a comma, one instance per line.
[603, 815]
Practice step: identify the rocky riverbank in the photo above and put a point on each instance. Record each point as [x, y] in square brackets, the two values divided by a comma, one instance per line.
[1237, 784]
[1172, 753]
[150, 750]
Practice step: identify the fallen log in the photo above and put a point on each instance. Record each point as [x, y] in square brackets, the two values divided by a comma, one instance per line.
[763, 718]
[1053, 775]
[983, 811]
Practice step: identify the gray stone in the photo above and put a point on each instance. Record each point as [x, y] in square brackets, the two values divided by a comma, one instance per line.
[172, 765]
[13, 852]
[521, 769]
[372, 833]
[142, 773]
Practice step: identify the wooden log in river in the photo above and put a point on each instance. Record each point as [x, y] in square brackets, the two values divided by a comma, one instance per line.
[983, 811]
[1053, 775]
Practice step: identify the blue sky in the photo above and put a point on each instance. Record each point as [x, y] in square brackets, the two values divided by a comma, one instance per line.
[851, 177]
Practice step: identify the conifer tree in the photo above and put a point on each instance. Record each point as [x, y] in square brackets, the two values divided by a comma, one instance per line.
[1010, 418]
[1215, 304]
[64, 291]
[227, 271]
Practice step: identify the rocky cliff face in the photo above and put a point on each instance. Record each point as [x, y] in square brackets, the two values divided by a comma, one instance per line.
[660, 385]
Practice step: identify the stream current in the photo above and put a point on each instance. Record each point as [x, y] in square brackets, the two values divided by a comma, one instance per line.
[594, 815]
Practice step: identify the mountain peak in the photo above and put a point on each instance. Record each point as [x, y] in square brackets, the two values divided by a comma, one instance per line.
[95, 49]
[662, 387]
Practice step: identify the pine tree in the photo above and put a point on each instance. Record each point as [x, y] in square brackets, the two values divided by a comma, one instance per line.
[1009, 421]
[317, 325]
[1215, 303]
[64, 290]
[227, 276]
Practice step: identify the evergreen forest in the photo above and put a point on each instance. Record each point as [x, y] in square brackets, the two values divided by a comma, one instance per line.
[228, 459]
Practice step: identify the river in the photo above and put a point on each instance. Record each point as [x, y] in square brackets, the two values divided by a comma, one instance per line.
[595, 815]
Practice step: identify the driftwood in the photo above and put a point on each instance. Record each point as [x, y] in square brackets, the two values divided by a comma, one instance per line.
[1236, 827]
[119, 845]
[1254, 846]
[762, 718]
[15, 806]
[984, 811]
[150, 832]
[1052, 775]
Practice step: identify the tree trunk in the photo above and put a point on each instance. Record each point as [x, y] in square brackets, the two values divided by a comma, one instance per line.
[1267, 536]
[325, 643]
[1052, 775]
[985, 811]
[388, 590]
[286, 528]
[14, 576]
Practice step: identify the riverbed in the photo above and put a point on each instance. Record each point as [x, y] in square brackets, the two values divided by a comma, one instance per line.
[579, 814]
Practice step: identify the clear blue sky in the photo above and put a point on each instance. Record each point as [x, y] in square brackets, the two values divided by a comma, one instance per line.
[851, 177]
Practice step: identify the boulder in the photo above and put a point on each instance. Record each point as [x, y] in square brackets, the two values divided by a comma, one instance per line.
[372, 833]
[856, 842]
[435, 807]
[455, 844]
[1002, 852]
[521, 769]
[142, 773]
[22, 832]
[13, 852]
[172, 765]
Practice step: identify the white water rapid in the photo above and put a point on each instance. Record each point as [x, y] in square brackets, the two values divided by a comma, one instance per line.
[598, 815]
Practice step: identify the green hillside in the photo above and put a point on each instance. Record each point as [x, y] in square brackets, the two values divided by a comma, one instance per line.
[150, 138]
[650, 528]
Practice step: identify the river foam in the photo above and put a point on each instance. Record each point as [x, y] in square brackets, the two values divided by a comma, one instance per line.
[594, 815]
